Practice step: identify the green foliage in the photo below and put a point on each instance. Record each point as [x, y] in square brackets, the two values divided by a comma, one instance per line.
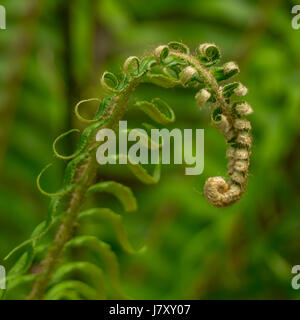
[80, 171]
[193, 251]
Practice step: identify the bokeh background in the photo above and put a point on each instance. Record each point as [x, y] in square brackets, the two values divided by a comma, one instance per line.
[52, 55]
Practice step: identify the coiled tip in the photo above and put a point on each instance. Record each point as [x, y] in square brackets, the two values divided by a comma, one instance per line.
[220, 193]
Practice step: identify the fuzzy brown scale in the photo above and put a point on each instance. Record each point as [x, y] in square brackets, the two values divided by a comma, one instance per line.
[230, 123]
[217, 190]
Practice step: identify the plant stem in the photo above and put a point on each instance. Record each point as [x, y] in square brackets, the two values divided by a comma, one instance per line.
[86, 174]
[64, 232]
[209, 80]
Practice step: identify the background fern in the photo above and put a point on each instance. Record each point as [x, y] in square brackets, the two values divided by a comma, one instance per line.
[252, 245]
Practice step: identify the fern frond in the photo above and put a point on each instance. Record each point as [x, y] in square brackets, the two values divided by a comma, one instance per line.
[116, 222]
[105, 252]
[168, 66]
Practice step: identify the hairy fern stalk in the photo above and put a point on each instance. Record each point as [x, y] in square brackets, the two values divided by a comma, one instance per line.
[168, 66]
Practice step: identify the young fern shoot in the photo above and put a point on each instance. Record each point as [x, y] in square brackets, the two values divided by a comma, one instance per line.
[168, 66]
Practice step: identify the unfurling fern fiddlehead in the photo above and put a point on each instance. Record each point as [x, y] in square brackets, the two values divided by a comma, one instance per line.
[169, 66]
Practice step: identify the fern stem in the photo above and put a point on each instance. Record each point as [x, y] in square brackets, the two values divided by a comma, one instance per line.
[86, 175]
[227, 116]
[64, 232]
[209, 80]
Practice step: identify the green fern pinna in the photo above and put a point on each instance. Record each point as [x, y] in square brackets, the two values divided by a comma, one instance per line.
[168, 66]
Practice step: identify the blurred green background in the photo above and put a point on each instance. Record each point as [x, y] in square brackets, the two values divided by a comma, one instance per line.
[52, 55]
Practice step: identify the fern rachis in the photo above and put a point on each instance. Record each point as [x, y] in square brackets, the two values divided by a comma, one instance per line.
[169, 66]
